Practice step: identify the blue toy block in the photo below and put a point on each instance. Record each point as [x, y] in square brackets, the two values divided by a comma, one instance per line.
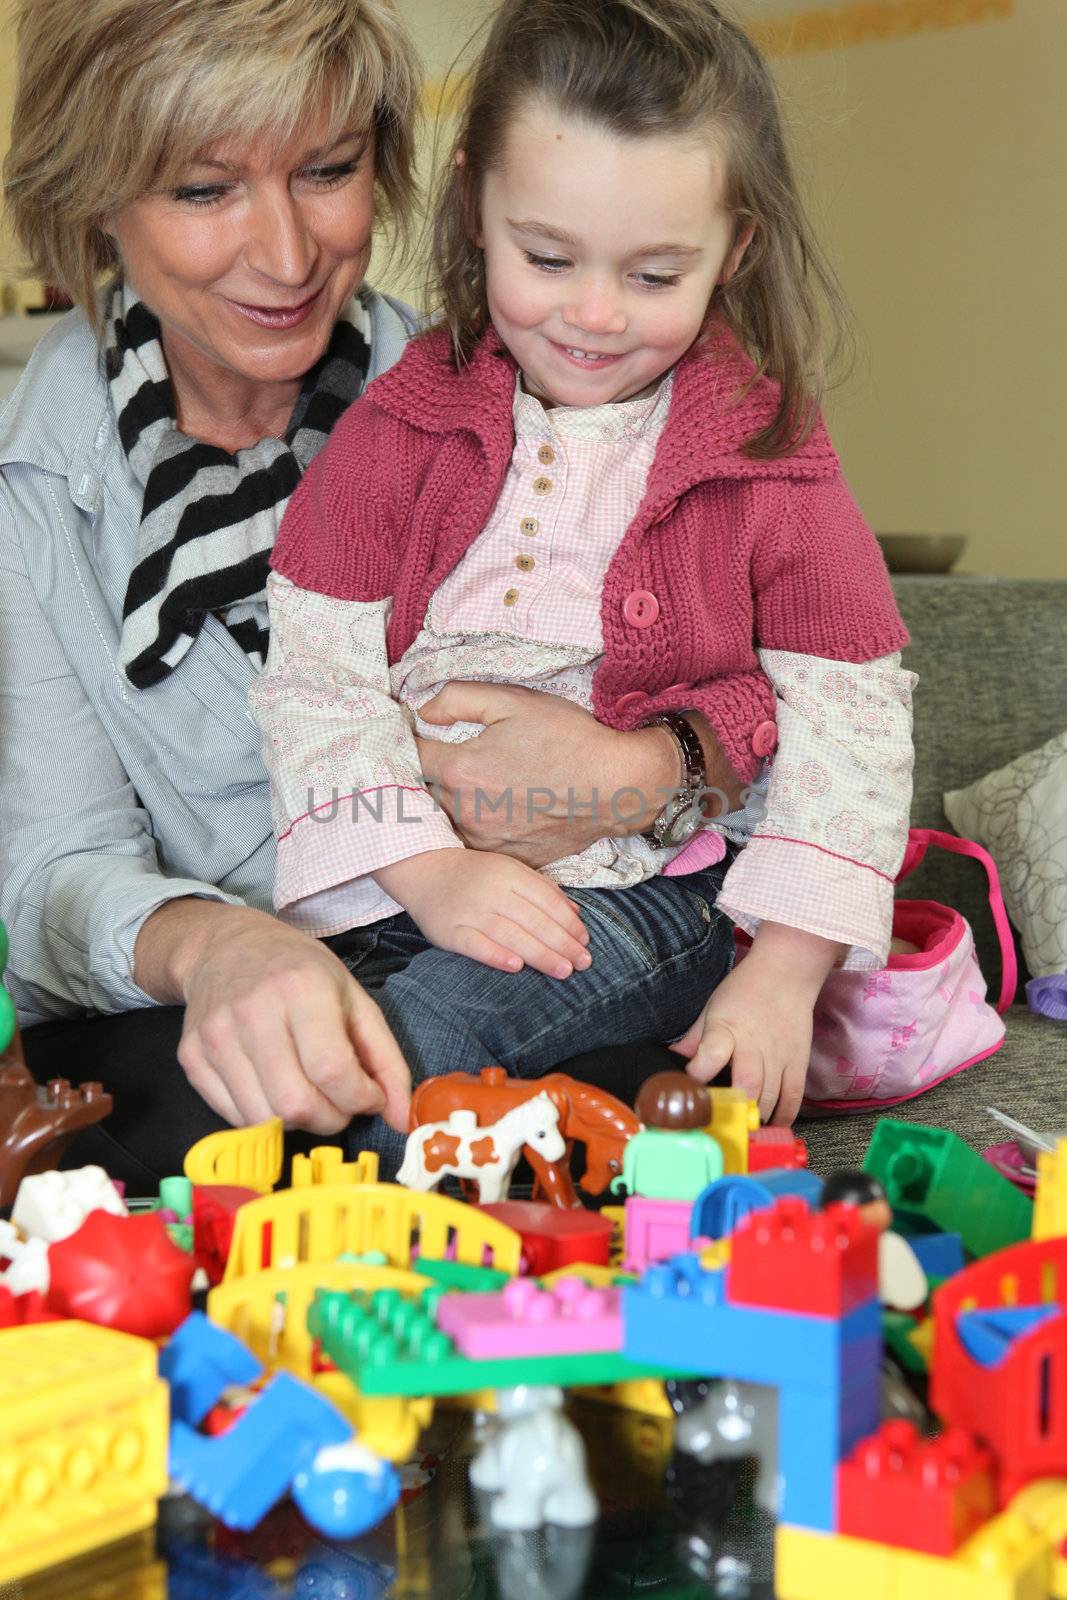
[817, 1428]
[200, 1361]
[677, 1317]
[718, 1208]
[989, 1333]
[242, 1473]
[939, 1254]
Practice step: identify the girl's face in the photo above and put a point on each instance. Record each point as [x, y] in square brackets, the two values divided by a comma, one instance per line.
[602, 253]
[249, 260]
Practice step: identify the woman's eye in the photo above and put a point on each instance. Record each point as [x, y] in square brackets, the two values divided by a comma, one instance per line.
[198, 194]
[328, 177]
[545, 263]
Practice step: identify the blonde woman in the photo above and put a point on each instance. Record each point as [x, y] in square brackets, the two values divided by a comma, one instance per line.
[202, 177]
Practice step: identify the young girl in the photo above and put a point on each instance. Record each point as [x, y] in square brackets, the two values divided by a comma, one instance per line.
[602, 476]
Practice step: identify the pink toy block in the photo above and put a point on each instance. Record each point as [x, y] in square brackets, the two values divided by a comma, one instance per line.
[656, 1230]
[526, 1320]
[788, 1258]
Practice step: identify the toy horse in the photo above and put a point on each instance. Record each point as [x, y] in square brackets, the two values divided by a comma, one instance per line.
[587, 1116]
[460, 1148]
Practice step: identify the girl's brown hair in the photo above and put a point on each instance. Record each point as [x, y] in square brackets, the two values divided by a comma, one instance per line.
[115, 96]
[644, 67]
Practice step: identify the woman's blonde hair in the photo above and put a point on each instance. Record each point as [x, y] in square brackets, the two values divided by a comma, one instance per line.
[115, 97]
[645, 67]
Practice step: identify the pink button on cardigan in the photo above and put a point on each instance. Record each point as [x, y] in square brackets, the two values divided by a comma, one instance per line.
[726, 554]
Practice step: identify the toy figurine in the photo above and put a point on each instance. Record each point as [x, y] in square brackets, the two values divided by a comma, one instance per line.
[724, 1420]
[489, 1155]
[587, 1116]
[534, 1462]
[902, 1283]
[672, 1158]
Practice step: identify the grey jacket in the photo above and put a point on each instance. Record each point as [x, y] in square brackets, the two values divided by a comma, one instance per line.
[112, 801]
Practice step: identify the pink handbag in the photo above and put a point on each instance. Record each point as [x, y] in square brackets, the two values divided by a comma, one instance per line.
[886, 1036]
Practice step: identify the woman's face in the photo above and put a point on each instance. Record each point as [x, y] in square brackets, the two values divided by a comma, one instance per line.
[248, 261]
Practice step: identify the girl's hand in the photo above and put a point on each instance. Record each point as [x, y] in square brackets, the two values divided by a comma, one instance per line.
[759, 1020]
[490, 908]
[275, 1026]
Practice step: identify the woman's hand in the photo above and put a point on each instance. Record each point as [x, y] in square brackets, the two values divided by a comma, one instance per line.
[490, 908]
[759, 1020]
[275, 1025]
[545, 779]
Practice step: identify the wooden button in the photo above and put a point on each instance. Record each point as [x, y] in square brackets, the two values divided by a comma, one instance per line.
[546, 455]
[525, 563]
[510, 596]
[529, 526]
[542, 486]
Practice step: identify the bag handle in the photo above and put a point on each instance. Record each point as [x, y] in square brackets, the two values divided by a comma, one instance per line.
[919, 841]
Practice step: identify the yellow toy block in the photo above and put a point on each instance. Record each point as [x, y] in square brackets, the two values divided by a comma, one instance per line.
[1043, 1506]
[827, 1566]
[1004, 1560]
[1050, 1197]
[733, 1117]
[326, 1164]
[83, 1442]
[251, 1157]
[616, 1215]
[595, 1276]
[128, 1570]
[324, 1221]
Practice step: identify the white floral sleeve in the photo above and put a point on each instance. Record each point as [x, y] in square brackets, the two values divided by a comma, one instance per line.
[825, 855]
[346, 789]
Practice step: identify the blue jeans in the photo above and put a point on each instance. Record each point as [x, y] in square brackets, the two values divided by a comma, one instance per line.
[658, 949]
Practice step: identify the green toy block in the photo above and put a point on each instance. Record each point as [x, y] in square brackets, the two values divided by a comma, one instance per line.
[930, 1176]
[389, 1345]
[458, 1277]
[898, 1329]
[7, 1005]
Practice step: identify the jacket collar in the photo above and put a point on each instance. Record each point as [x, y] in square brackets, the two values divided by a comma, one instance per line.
[719, 401]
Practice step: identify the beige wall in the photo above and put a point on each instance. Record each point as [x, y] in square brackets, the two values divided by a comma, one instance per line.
[935, 162]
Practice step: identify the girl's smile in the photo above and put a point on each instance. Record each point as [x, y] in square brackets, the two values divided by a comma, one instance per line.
[602, 253]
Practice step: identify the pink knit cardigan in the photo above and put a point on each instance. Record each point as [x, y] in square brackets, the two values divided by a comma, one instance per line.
[725, 555]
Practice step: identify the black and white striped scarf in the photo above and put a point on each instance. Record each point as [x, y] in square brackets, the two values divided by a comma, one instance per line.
[209, 519]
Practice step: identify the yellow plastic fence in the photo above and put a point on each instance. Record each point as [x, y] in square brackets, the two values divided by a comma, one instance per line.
[251, 1157]
[83, 1442]
[326, 1164]
[322, 1222]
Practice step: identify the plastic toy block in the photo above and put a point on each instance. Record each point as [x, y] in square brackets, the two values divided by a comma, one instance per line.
[251, 1157]
[655, 1231]
[940, 1254]
[553, 1237]
[988, 1336]
[818, 1566]
[200, 1361]
[242, 1473]
[83, 1442]
[1005, 1560]
[1043, 1507]
[822, 1263]
[734, 1122]
[121, 1272]
[525, 1320]
[53, 1205]
[931, 1176]
[771, 1149]
[389, 1347]
[1050, 1200]
[327, 1164]
[215, 1207]
[898, 1329]
[1019, 1406]
[719, 1208]
[457, 1275]
[921, 1494]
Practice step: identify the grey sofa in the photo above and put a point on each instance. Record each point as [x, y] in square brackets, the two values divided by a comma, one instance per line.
[991, 654]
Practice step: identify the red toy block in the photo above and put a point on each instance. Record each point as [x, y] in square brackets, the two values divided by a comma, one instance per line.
[552, 1237]
[772, 1148]
[788, 1258]
[918, 1494]
[215, 1205]
[18, 1309]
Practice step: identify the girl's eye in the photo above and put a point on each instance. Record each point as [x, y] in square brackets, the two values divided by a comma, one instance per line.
[657, 280]
[546, 263]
